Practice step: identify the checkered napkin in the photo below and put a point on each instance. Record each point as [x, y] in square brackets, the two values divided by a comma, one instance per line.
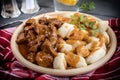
[11, 69]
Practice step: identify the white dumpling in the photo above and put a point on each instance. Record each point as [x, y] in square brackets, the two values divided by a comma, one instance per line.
[96, 55]
[94, 39]
[104, 47]
[65, 30]
[84, 32]
[60, 62]
[76, 44]
[66, 48]
[89, 45]
[106, 36]
[81, 63]
[103, 26]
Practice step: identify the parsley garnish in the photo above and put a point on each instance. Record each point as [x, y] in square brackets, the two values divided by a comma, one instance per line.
[83, 23]
[95, 32]
[87, 6]
[82, 18]
[82, 27]
[92, 25]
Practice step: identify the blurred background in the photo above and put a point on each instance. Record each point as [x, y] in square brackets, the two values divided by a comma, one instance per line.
[105, 9]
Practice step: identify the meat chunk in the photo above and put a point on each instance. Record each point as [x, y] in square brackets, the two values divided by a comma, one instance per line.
[27, 28]
[23, 48]
[40, 38]
[30, 35]
[34, 48]
[43, 20]
[21, 38]
[41, 29]
[31, 57]
[57, 23]
[30, 22]
[53, 35]
[47, 47]
[35, 44]
[44, 59]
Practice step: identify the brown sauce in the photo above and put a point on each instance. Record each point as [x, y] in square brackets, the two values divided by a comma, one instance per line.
[23, 49]
[72, 59]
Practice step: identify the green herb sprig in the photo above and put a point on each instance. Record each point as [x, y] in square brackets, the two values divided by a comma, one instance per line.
[87, 6]
[83, 23]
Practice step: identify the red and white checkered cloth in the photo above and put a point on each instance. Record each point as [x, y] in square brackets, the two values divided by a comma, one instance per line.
[11, 69]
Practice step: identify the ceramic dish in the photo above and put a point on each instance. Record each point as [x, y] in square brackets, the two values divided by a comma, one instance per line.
[68, 72]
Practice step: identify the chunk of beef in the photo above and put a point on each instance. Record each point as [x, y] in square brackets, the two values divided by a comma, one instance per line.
[34, 48]
[57, 23]
[47, 47]
[21, 39]
[43, 20]
[36, 43]
[23, 48]
[27, 28]
[29, 22]
[53, 35]
[40, 38]
[31, 57]
[30, 35]
[44, 59]
[41, 29]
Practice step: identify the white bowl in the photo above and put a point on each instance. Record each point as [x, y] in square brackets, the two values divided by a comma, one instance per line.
[69, 72]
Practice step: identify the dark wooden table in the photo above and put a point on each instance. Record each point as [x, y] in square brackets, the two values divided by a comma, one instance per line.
[105, 9]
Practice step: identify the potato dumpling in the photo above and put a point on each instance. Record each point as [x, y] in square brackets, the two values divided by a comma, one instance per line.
[75, 43]
[81, 63]
[106, 36]
[74, 60]
[65, 47]
[95, 56]
[82, 51]
[91, 39]
[92, 45]
[65, 30]
[60, 62]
